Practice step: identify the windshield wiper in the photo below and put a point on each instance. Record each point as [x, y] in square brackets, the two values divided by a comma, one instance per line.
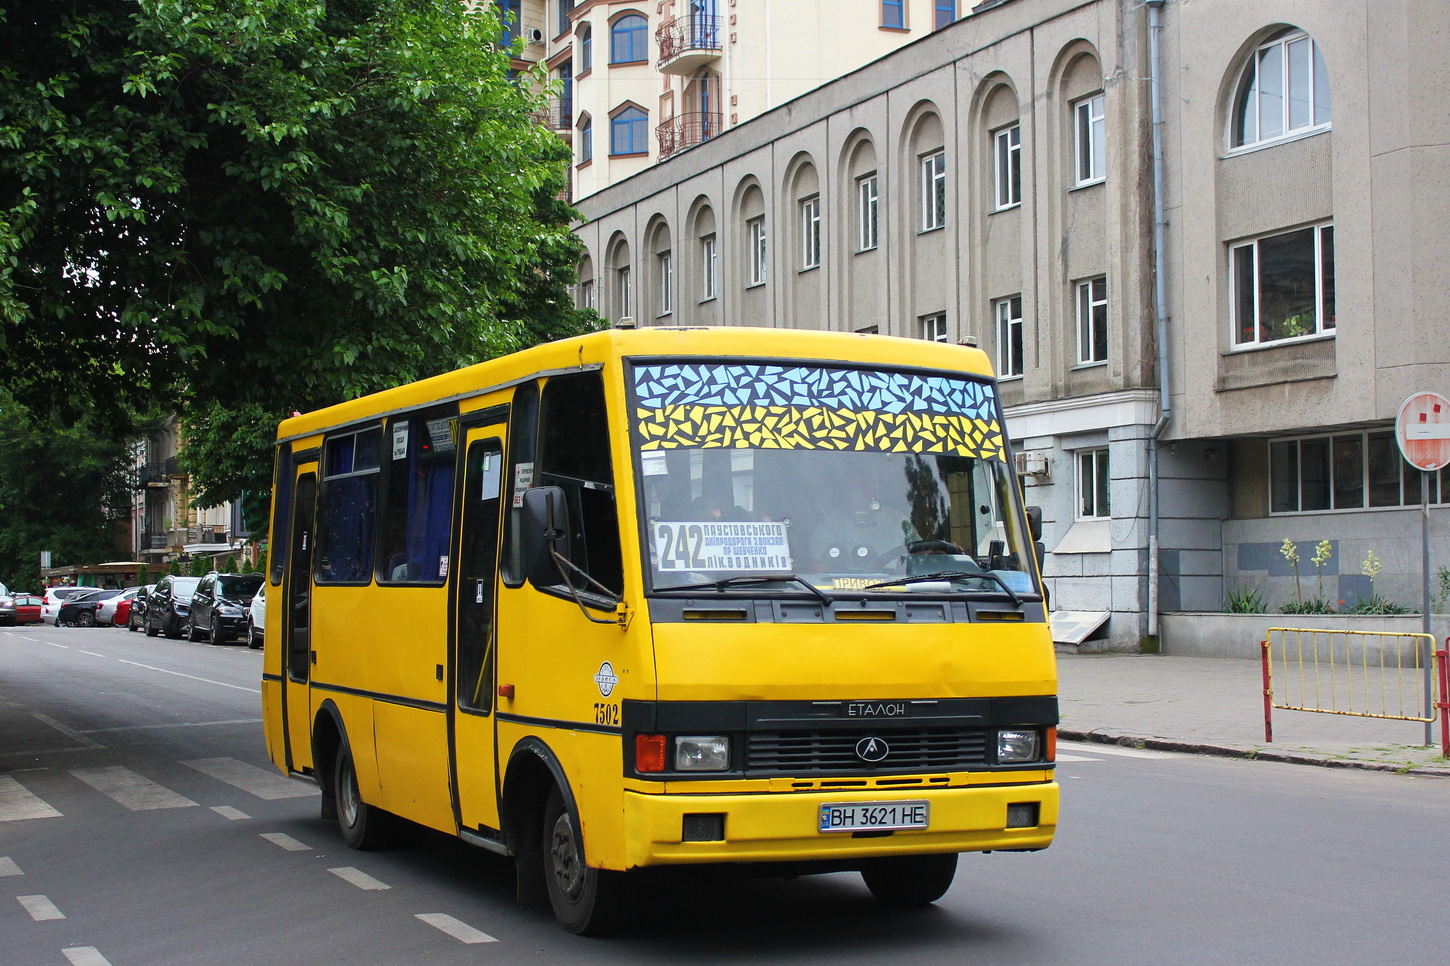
[741, 580]
[949, 575]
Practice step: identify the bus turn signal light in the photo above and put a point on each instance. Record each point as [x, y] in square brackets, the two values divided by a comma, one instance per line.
[649, 752]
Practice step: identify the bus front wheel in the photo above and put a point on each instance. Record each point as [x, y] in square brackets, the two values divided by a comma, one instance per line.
[586, 901]
[910, 880]
[363, 826]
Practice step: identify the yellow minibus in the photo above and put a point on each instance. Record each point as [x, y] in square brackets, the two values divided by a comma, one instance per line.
[666, 597]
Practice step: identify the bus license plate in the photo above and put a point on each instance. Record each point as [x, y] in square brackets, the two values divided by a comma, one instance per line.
[872, 816]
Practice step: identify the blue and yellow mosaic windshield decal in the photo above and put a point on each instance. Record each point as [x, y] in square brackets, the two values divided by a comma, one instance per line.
[724, 405]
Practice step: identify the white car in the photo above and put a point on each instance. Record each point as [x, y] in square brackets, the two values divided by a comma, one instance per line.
[106, 613]
[257, 617]
[55, 596]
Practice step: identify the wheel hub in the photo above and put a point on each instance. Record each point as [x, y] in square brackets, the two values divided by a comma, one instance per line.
[564, 854]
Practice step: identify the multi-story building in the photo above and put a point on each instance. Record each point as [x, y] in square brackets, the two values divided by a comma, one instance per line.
[1153, 216]
[642, 80]
[163, 523]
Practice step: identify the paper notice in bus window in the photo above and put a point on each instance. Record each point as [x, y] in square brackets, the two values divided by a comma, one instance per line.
[714, 545]
[653, 464]
[400, 441]
[443, 566]
[523, 480]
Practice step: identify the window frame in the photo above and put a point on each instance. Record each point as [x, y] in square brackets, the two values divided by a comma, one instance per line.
[622, 284]
[398, 510]
[1009, 337]
[1365, 442]
[327, 480]
[1007, 167]
[586, 50]
[586, 139]
[1248, 87]
[933, 190]
[944, 13]
[709, 267]
[933, 327]
[635, 120]
[893, 10]
[868, 212]
[1324, 288]
[1093, 496]
[666, 266]
[810, 211]
[633, 41]
[755, 251]
[1089, 310]
[1089, 140]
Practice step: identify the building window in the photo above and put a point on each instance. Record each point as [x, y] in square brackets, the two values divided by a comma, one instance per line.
[867, 213]
[1345, 471]
[755, 230]
[586, 49]
[628, 132]
[1009, 337]
[565, 6]
[1093, 485]
[1007, 166]
[586, 139]
[934, 327]
[586, 294]
[893, 13]
[946, 13]
[1284, 92]
[1283, 286]
[709, 269]
[510, 14]
[1089, 132]
[1092, 321]
[629, 39]
[811, 233]
[626, 297]
[667, 283]
[933, 191]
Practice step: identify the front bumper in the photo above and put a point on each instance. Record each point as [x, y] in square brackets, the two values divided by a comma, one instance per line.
[781, 827]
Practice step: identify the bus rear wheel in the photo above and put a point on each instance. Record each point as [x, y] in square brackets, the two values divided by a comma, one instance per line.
[906, 881]
[364, 827]
[586, 901]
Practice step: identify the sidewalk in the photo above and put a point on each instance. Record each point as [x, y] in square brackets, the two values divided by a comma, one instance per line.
[1216, 707]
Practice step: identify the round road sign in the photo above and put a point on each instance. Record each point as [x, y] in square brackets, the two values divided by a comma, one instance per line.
[1423, 429]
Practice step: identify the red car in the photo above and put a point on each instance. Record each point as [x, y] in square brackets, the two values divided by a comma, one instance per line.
[20, 609]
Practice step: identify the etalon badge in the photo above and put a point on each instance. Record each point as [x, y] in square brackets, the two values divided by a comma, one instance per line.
[872, 749]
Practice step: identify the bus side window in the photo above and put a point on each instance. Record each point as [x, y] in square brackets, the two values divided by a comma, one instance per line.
[281, 513]
[417, 517]
[523, 418]
[574, 455]
[348, 505]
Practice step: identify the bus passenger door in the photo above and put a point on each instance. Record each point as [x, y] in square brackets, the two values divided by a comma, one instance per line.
[471, 742]
[297, 623]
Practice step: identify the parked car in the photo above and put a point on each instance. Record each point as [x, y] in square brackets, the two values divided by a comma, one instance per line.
[54, 597]
[257, 617]
[115, 610]
[79, 610]
[136, 619]
[20, 609]
[219, 606]
[168, 607]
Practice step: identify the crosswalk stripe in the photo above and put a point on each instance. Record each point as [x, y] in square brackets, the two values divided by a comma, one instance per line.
[85, 956]
[286, 841]
[227, 812]
[17, 802]
[256, 781]
[359, 878]
[460, 931]
[129, 789]
[40, 908]
[8, 866]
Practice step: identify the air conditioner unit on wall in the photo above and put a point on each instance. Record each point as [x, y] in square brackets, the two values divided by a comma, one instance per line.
[1033, 464]
[536, 36]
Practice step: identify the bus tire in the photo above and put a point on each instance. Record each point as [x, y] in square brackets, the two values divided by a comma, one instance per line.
[586, 901]
[364, 827]
[906, 881]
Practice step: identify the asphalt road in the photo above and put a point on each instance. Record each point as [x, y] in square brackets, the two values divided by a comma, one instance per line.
[141, 824]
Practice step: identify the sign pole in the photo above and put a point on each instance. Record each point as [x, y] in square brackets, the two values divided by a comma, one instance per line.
[1422, 429]
[1428, 646]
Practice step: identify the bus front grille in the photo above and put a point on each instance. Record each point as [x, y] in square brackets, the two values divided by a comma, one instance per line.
[925, 749]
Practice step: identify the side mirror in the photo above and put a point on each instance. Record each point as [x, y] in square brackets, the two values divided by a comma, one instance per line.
[544, 528]
[1034, 522]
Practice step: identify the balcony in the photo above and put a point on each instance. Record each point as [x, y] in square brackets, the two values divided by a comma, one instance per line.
[687, 130]
[687, 44]
[558, 116]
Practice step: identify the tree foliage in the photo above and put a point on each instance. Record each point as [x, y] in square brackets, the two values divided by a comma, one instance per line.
[242, 208]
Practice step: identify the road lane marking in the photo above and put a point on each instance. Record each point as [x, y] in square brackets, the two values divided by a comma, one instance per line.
[85, 956]
[1120, 751]
[359, 878]
[17, 802]
[286, 841]
[172, 724]
[266, 785]
[63, 647]
[227, 812]
[131, 790]
[460, 931]
[192, 677]
[40, 908]
[91, 653]
[69, 732]
[8, 866]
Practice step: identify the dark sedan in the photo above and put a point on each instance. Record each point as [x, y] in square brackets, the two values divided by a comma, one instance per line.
[79, 610]
[20, 609]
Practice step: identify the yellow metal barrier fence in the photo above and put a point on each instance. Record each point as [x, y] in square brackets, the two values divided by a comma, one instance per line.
[1368, 674]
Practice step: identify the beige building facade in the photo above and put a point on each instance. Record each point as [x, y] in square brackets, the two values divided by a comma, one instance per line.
[1165, 314]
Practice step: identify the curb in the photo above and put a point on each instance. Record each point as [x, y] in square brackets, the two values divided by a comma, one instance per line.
[1104, 737]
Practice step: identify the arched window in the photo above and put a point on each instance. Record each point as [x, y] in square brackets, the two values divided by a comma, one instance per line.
[628, 131]
[1284, 91]
[586, 138]
[586, 49]
[629, 39]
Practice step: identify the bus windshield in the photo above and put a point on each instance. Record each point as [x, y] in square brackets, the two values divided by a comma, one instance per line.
[873, 482]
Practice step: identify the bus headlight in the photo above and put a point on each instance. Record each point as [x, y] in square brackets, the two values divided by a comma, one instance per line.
[694, 753]
[1017, 745]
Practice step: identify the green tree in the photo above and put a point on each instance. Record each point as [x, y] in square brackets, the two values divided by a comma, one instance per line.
[200, 565]
[143, 575]
[62, 489]
[229, 566]
[258, 206]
